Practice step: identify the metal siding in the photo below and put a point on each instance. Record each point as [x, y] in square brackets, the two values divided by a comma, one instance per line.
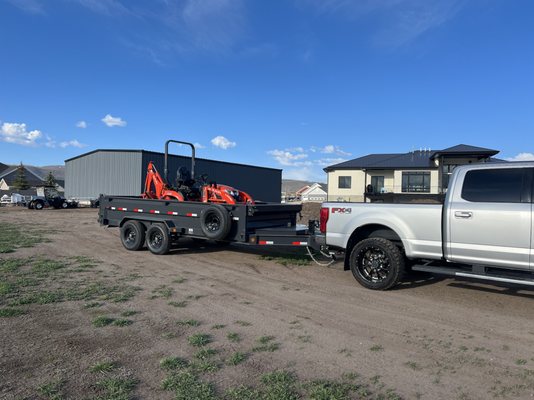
[261, 183]
[104, 172]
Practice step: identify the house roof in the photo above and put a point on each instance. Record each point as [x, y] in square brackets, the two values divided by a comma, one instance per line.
[10, 174]
[3, 167]
[312, 188]
[463, 149]
[414, 159]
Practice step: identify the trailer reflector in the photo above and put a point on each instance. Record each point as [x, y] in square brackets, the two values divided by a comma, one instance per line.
[154, 212]
[139, 210]
[113, 208]
[122, 209]
[299, 243]
[265, 242]
[172, 213]
[191, 215]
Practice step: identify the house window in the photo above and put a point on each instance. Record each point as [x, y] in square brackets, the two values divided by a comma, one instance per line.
[344, 182]
[447, 172]
[416, 182]
[377, 182]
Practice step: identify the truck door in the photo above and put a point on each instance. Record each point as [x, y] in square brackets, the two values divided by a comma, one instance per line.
[490, 217]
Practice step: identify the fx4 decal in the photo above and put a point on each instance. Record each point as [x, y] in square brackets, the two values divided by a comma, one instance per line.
[338, 210]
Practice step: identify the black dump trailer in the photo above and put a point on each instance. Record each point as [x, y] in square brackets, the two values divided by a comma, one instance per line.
[162, 223]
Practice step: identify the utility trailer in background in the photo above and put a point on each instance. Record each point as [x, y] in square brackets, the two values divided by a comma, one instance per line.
[161, 223]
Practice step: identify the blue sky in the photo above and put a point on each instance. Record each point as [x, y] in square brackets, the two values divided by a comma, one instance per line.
[292, 84]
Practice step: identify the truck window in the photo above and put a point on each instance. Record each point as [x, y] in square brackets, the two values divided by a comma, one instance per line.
[493, 185]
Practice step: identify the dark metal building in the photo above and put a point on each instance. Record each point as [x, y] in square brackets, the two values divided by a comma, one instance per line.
[123, 172]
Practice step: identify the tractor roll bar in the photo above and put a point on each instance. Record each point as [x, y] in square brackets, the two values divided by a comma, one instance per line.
[192, 157]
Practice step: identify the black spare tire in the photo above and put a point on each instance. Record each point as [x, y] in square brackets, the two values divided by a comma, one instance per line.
[215, 222]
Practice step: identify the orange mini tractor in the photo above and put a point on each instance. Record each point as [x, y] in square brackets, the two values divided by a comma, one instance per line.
[187, 188]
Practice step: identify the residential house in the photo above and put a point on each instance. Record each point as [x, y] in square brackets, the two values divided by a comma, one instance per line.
[312, 193]
[392, 177]
[9, 175]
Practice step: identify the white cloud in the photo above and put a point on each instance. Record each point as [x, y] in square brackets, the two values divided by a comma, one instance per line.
[29, 6]
[330, 149]
[17, 133]
[522, 157]
[81, 124]
[222, 142]
[325, 162]
[113, 121]
[71, 143]
[289, 158]
[199, 145]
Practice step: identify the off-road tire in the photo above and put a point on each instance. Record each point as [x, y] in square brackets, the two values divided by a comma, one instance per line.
[30, 205]
[64, 205]
[158, 239]
[377, 254]
[38, 205]
[215, 222]
[133, 235]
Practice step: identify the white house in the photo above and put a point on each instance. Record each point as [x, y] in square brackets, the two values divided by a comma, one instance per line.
[313, 193]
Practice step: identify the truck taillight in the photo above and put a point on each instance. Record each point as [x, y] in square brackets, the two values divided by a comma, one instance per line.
[324, 219]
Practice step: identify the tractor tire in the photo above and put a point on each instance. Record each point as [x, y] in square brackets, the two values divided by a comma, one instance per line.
[158, 239]
[377, 263]
[38, 205]
[215, 222]
[30, 205]
[64, 205]
[133, 235]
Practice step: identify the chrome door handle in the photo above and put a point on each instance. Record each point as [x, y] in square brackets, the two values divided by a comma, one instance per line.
[463, 214]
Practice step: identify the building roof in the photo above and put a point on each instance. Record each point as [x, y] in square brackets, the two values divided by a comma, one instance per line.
[414, 159]
[170, 155]
[10, 174]
[3, 167]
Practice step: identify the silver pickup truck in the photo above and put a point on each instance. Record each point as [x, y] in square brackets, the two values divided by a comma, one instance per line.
[483, 230]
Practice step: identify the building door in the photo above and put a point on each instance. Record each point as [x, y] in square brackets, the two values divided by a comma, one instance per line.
[377, 182]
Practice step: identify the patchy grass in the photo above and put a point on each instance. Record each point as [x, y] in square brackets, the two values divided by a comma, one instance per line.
[102, 320]
[122, 322]
[242, 323]
[195, 296]
[266, 344]
[186, 385]
[162, 292]
[173, 363]
[520, 361]
[279, 385]
[413, 365]
[117, 388]
[243, 393]
[103, 366]
[304, 338]
[93, 304]
[12, 264]
[288, 259]
[329, 390]
[44, 267]
[199, 339]
[52, 390]
[218, 326]
[179, 280]
[236, 358]
[179, 304]
[189, 322]
[11, 312]
[376, 348]
[233, 337]
[129, 313]
[204, 354]
[15, 236]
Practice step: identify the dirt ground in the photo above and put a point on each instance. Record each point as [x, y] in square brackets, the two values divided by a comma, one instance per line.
[430, 338]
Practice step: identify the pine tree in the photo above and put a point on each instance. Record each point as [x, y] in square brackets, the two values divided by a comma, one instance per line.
[20, 182]
[50, 180]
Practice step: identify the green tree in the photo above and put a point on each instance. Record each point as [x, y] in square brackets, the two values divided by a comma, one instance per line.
[50, 180]
[20, 182]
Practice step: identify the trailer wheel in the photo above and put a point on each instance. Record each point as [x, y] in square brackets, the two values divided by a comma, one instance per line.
[38, 205]
[215, 222]
[133, 235]
[377, 263]
[158, 240]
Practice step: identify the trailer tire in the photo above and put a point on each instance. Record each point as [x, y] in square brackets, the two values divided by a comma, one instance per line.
[133, 235]
[377, 263]
[215, 222]
[38, 205]
[158, 239]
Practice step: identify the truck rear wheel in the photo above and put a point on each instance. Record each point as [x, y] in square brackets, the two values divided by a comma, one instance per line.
[377, 263]
[215, 222]
[158, 240]
[133, 235]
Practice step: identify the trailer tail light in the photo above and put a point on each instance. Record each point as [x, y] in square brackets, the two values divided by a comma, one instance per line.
[324, 219]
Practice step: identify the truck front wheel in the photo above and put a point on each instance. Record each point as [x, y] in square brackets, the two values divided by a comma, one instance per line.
[377, 263]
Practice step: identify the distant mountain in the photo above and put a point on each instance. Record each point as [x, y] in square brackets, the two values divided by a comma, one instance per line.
[291, 185]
